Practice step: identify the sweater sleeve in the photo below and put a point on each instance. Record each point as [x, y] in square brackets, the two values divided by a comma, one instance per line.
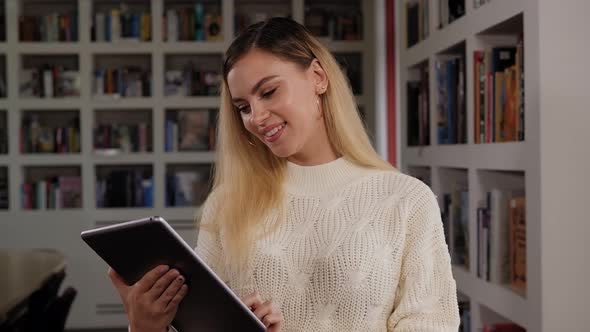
[209, 247]
[426, 298]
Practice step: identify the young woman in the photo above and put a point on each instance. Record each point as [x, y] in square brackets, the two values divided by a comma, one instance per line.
[305, 222]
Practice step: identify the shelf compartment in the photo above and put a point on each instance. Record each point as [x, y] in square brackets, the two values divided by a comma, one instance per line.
[351, 65]
[124, 186]
[332, 20]
[454, 192]
[190, 75]
[501, 229]
[35, 25]
[187, 184]
[55, 132]
[422, 173]
[117, 132]
[192, 21]
[122, 76]
[248, 12]
[51, 188]
[418, 105]
[188, 130]
[49, 76]
[114, 22]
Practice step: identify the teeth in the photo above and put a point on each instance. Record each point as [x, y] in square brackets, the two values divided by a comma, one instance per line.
[274, 131]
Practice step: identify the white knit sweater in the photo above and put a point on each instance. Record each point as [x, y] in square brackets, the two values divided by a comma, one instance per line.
[360, 250]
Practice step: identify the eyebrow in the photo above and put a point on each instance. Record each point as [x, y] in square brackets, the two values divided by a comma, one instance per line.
[256, 86]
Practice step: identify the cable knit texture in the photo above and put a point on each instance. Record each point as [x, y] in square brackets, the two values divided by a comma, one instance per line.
[360, 250]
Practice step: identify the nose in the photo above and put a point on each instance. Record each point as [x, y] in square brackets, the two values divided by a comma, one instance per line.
[259, 114]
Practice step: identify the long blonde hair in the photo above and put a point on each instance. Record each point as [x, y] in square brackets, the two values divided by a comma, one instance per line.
[248, 176]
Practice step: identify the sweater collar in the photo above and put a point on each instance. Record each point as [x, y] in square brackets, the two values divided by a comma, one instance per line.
[321, 178]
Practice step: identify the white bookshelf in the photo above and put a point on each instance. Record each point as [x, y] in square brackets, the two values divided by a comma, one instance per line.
[97, 304]
[553, 51]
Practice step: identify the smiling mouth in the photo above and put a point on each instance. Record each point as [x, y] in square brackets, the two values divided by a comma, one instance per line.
[275, 133]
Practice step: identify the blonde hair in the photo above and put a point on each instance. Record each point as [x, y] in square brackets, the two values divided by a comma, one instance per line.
[248, 176]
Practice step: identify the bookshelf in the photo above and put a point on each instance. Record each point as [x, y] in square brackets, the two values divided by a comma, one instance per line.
[512, 159]
[120, 131]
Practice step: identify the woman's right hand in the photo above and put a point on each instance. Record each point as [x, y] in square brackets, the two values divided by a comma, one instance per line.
[152, 302]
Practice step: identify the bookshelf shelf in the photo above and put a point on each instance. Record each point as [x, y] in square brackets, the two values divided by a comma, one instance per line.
[50, 104]
[192, 102]
[51, 159]
[122, 103]
[198, 47]
[121, 47]
[496, 156]
[189, 157]
[49, 47]
[88, 56]
[499, 298]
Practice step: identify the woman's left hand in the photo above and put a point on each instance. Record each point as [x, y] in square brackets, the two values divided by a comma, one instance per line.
[266, 311]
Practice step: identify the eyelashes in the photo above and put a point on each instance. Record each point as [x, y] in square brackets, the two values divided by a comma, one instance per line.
[266, 95]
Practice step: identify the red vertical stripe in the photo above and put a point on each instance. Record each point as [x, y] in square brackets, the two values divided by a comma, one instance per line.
[391, 84]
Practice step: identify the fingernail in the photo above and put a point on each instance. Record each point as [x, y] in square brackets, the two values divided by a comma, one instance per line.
[164, 268]
[180, 279]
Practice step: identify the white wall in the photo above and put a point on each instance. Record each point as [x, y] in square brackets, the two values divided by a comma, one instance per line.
[564, 77]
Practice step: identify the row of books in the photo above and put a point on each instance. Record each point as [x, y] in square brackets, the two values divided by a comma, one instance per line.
[186, 188]
[449, 11]
[49, 28]
[190, 130]
[191, 82]
[417, 21]
[465, 315]
[120, 24]
[58, 192]
[128, 81]
[189, 24]
[455, 218]
[3, 188]
[36, 137]
[501, 238]
[334, 25]
[418, 113]
[451, 112]
[48, 81]
[125, 188]
[122, 138]
[499, 94]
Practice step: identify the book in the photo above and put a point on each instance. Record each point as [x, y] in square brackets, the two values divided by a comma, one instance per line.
[518, 263]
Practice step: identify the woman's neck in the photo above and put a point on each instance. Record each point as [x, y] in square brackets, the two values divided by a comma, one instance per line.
[317, 151]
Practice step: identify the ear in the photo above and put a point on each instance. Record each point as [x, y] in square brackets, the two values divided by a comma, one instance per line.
[319, 77]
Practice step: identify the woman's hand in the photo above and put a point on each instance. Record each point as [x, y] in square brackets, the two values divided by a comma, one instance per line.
[266, 311]
[152, 302]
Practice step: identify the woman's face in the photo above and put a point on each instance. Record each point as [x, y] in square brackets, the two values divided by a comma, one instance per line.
[279, 102]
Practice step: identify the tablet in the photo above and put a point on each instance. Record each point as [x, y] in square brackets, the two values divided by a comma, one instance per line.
[135, 247]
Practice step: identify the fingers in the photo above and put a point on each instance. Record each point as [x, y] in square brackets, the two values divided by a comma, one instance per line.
[273, 321]
[173, 304]
[162, 284]
[171, 291]
[263, 310]
[252, 301]
[150, 278]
